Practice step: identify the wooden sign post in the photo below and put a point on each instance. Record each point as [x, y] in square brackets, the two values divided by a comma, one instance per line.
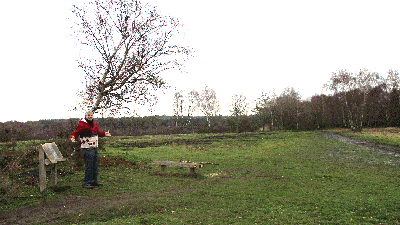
[53, 156]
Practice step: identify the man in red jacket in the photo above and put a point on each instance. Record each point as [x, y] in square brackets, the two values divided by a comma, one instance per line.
[88, 133]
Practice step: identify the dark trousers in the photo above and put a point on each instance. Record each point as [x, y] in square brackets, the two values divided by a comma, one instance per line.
[90, 155]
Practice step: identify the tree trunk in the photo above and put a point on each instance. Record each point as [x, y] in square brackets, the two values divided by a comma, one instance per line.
[237, 124]
[98, 100]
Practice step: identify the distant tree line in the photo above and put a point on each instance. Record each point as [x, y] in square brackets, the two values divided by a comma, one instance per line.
[362, 99]
[126, 126]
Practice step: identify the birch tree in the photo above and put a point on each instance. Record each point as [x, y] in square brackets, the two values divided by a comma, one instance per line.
[262, 109]
[178, 106]
[392, 80]
[353, 90]
[191, 105]
[366, 81]
[208, 103]
[239, 109]
[393, 113]
[129, 47]
[287, 108]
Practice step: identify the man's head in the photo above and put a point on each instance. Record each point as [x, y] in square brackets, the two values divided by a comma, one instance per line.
[89, 115]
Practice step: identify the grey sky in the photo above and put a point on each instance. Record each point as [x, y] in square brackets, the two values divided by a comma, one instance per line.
[242, 47]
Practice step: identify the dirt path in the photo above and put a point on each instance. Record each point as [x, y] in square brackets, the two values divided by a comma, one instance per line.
[376, 147]
[75, 207]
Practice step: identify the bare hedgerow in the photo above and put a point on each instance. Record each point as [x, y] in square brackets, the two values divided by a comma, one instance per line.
[8, 189]
[71, 152]
[15, 162]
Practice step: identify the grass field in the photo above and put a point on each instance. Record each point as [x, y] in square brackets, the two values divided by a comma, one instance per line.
[261, 178]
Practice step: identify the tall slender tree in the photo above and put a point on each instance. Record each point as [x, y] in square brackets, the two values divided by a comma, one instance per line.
[208, 103]
[392, 87]
[318, 111]
[178, 106]
[262, 109]
[288, 108]
[239, 108]
[191, 105]
[394, 108]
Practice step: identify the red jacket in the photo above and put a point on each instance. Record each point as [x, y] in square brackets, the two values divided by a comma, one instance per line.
[83, 129]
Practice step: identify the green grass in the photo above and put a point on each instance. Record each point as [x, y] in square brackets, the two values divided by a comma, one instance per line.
[21, 145]
[263, 178]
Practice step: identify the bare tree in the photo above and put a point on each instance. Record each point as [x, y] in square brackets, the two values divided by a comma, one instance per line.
[207, 103]
[272, 110]
[318, 112]
[353, 91]
[287, 108]
[130, 46]
[392, 80]
[178, 106]
[239, 109]
[262, 109]
[191, 105]
[393, 109]
[366, 81]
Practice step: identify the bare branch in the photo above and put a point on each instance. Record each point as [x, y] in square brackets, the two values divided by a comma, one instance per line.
[132, 48]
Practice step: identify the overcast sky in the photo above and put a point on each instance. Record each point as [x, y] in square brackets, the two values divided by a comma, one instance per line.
[242, 47]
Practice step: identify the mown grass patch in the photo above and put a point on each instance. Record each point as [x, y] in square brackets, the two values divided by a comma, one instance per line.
[261, 178]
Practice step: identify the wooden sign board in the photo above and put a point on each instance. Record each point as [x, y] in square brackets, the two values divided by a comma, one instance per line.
[52, 152]
[54, 156]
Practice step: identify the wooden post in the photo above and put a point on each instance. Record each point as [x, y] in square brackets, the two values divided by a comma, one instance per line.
[163, 168]
[53, 176]
[42, 171]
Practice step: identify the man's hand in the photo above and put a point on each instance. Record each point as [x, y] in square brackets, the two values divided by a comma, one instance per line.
[73, 139]
[108, 134]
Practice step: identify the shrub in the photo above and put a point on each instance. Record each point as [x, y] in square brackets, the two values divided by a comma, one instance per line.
[8, 190]
[72, 153]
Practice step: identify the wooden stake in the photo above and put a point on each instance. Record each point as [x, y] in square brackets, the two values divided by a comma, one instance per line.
[163, 168]
[53, 176]
[42, 171]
